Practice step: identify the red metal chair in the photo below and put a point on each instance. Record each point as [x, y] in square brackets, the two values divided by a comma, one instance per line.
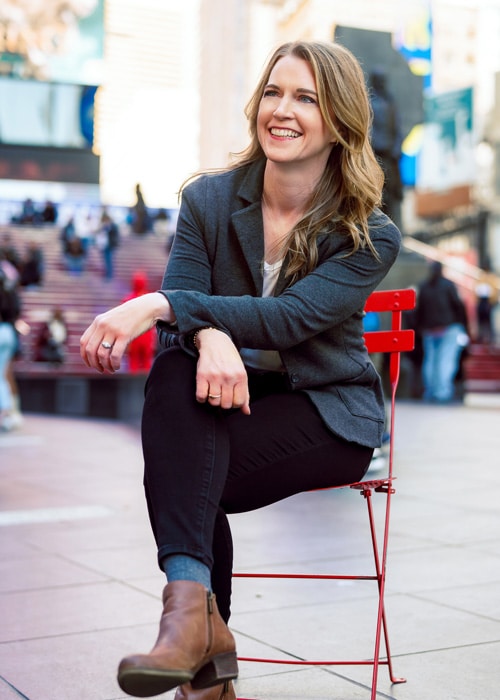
[392, 341]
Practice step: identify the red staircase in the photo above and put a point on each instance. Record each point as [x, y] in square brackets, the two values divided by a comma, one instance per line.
[482, 368]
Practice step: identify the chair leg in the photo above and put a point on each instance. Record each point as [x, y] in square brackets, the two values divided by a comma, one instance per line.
[380, 568]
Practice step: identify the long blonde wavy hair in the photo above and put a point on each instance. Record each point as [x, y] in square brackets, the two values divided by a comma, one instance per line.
[351, 184]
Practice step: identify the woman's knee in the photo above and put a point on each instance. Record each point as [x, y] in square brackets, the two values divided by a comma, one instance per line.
[172, 369]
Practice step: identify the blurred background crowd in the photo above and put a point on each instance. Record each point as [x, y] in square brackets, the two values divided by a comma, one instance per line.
[107, 106]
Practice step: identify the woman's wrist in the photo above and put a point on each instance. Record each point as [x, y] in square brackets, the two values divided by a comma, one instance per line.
[194, 337]
[162, 309]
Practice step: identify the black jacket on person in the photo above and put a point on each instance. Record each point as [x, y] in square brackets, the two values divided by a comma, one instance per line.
[438, 303]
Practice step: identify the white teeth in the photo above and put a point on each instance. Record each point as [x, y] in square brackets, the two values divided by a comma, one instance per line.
[285, 132]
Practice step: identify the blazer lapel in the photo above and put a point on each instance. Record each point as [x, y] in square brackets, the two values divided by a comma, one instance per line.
[247, 222]
[247, 226]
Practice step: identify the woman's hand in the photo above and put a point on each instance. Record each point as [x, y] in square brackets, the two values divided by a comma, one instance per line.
[103, 344]
[221, 377]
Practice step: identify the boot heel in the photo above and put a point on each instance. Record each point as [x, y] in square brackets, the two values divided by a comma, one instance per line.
[220, 668]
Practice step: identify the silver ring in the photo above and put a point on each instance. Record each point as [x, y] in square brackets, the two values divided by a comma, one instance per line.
[106, 345]
[214, 396]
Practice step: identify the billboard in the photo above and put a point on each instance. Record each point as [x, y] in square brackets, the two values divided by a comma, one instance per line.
[56, 41]
[46, 114]
[51, 62]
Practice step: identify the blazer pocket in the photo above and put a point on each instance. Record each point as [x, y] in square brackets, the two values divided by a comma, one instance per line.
[363, 396]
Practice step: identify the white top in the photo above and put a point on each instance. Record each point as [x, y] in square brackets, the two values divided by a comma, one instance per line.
[267, 360]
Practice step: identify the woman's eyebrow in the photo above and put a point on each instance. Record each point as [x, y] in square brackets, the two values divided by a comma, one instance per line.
[304, 90]
[309, 92]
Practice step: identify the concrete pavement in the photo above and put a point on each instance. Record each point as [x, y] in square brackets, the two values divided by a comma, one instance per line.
[79, 586]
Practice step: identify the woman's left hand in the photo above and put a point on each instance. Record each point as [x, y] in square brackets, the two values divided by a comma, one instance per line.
[221, 377]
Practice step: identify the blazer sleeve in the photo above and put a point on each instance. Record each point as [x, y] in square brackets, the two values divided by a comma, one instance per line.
[190, 265]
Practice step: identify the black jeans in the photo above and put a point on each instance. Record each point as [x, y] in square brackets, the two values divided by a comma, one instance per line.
[202, 463]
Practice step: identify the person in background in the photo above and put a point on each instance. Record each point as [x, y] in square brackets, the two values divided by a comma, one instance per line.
[107, 239]
[85, 229]
[68, 231]
[141, 220]
[441, 318]
[48, 215]
[387, 140]
[265, 387]
[141, 350]
[486, 300]
[52, 339]
[32, 266]
[9, 252]
[75, 257]
[29, 213]
[10, 307]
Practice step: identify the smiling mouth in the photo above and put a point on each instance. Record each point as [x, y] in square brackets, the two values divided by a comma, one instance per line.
[285, 133]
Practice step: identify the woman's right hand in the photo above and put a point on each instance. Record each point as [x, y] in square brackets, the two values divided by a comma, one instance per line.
[221, 377]
[103, 344]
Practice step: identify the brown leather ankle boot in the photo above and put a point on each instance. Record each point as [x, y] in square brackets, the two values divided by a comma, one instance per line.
[218, 692]
[194, 645]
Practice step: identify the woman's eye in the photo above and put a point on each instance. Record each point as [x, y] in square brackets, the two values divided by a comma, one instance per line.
[270, 93]
[307, 99]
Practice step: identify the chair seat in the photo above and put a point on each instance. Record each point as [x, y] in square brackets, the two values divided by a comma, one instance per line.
[374, 484]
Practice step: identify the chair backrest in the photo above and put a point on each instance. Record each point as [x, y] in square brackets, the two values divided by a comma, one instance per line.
[393, 341]
[397, 339]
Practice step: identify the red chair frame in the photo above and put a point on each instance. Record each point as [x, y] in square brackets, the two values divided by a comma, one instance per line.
[392, 341]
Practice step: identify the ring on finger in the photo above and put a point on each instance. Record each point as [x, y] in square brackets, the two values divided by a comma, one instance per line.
[106, 345]
[214, 396]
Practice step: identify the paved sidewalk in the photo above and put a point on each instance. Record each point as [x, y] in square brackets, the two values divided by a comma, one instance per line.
[79, 587]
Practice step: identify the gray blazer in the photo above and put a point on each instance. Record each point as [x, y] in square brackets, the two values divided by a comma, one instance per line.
[214, 278]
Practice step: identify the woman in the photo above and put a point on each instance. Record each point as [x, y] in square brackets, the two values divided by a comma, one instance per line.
[10, 307]
[261, 315]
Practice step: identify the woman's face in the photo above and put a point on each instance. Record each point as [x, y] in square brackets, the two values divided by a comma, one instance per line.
[290, 126]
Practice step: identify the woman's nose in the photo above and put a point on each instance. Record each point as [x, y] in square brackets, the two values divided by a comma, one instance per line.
[283, 108]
